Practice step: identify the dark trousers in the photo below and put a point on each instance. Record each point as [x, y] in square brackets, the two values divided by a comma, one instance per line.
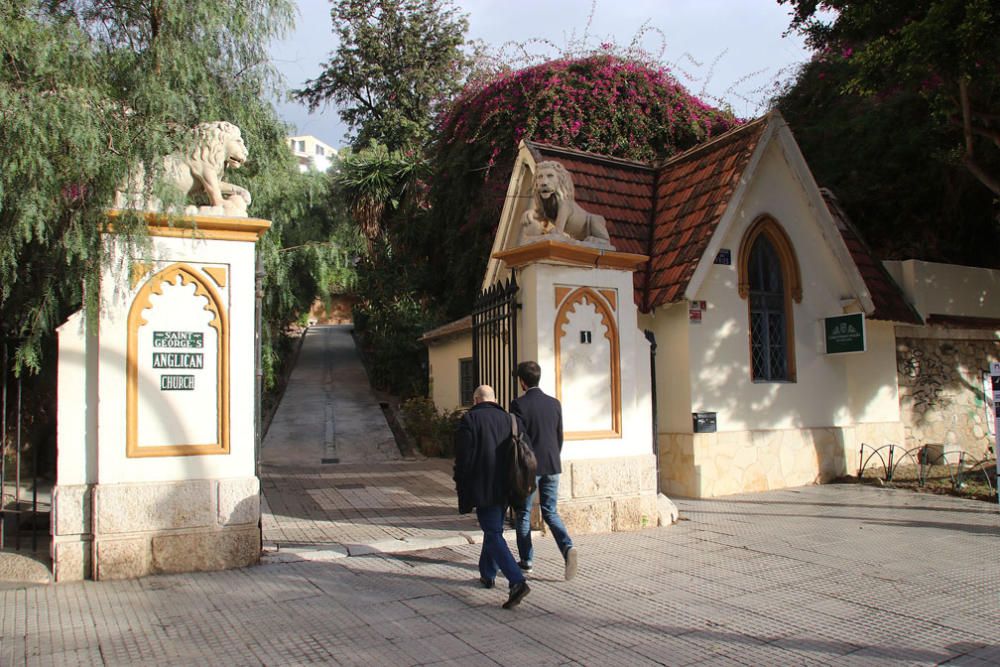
[496, 553]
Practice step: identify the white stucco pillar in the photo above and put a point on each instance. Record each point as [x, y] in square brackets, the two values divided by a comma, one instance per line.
[156, 469]
[579, 322]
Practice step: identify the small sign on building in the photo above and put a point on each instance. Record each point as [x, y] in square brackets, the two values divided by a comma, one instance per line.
[845, 333]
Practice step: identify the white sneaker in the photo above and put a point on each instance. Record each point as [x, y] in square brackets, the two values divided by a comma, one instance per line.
[570, 563]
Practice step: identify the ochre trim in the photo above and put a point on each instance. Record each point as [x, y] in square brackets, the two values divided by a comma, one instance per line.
[220, 323]
[588, 295]
[566, 253]
[139, 271]
[217, 228]
[791, 274]
[561, 293]
[791, 278]
[611, 296]
[217, 273]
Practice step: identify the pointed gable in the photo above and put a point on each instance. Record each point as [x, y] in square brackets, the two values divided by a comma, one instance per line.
[692, 193]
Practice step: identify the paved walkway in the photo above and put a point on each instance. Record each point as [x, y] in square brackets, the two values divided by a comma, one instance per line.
[333, 479]
[830, 575]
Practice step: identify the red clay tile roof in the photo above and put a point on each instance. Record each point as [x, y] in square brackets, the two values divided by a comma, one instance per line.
[455, 328]
[670, 212]
[692, 192]
[890, 304]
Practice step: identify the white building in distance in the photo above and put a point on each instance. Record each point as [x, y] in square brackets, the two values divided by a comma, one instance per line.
[312, 153]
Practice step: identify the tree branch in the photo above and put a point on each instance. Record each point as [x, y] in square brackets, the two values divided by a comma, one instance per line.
[963, 94]
[986, 179]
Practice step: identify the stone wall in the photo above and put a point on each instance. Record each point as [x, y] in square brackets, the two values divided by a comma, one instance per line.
[941, 393]
[605, 495]
[706, 465]
[120, 531]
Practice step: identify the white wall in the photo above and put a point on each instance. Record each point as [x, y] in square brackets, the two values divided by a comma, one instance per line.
[719, 346]
[113, 465]
[673, 366]
[948, 289]
[538, 285]
[77, 403]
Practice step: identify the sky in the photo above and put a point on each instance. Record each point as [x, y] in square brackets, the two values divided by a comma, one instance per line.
[728, 50]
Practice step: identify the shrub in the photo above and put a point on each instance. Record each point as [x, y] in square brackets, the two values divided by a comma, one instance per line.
[432, 431]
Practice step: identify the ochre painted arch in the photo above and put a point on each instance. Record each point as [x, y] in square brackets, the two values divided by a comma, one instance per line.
[220, 322]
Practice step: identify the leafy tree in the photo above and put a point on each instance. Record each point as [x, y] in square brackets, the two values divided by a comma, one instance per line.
[372, 179]
[395, 62]
[892, 168]
[947, 51]
[309, 253]
[88, 90]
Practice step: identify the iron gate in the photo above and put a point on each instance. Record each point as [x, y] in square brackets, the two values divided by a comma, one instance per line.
[494, 339]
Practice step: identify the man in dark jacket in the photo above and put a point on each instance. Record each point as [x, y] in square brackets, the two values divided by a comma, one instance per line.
[482, 449]
[542, 416]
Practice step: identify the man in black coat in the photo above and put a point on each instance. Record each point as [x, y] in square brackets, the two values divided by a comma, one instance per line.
[542, 416]
[482, 451]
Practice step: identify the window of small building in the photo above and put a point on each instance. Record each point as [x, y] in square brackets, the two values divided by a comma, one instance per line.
[466, 381]
[769, 281]
[319, 150]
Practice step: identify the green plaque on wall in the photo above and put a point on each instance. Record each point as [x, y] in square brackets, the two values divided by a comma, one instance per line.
[845, 333]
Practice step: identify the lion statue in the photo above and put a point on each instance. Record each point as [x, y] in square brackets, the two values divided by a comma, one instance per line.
[196, 174]
[556, 215]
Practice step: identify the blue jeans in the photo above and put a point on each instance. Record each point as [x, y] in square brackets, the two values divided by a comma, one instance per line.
[548, 492]
[495, 552]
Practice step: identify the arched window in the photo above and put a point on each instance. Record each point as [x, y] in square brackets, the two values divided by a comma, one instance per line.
[769, 280]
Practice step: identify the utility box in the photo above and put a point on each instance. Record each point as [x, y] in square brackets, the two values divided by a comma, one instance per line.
[704, 422]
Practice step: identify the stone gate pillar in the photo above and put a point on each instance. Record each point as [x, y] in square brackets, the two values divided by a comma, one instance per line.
[156, 460]
[579, 322]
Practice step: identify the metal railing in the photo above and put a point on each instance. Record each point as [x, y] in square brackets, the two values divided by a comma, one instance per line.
[494, 339]
[884, 463]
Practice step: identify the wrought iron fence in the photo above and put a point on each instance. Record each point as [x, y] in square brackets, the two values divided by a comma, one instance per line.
[494, 339]
[889, 461]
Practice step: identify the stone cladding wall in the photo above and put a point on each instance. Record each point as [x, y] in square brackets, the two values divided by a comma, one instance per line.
[941, 389]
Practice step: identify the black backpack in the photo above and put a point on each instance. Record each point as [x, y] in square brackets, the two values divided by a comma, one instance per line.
[521, 472]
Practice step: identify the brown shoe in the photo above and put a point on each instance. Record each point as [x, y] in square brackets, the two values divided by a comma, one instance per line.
[517, 593]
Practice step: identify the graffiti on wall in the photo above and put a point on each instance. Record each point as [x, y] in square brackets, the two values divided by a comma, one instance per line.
[941, 392]
[926, 376]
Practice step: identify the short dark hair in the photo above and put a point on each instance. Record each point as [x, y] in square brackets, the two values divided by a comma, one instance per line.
[530, 372]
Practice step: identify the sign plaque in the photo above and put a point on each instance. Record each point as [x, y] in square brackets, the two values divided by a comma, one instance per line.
[845, 333]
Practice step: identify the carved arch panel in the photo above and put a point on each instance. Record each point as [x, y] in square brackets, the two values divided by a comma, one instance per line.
[139, 386]
[602, 377]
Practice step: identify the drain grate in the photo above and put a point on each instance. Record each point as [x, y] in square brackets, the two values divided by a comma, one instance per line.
[348, 486]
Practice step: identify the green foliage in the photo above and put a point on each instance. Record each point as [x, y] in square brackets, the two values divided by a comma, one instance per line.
[432, 431]
[372, 179]
[390, 318]
[88, 90]
[395, 61]
[946, 51]
[892, 167]
[309, 252]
